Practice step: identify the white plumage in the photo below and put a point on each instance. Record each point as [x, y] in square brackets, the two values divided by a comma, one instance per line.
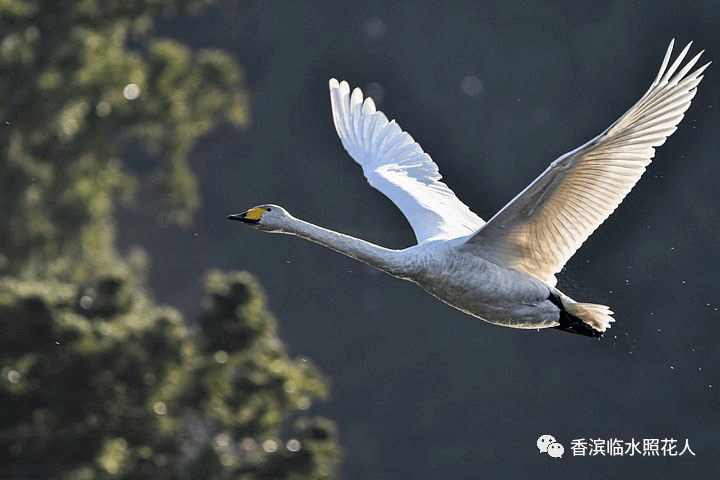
[394, 163]
[502, 271]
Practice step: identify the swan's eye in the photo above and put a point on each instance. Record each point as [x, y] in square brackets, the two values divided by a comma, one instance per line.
[268, 209]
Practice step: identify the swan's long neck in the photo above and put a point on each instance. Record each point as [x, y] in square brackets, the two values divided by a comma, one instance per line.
[380, 257]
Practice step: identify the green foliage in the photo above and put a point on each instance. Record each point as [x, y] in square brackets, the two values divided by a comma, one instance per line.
[85, 80]
[96, 380]
[85, 374]
[247, 385]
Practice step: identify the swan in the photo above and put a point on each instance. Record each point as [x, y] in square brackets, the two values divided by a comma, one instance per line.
[503, 270]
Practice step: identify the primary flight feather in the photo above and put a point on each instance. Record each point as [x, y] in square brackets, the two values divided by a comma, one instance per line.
[502, 271]
[396, 165]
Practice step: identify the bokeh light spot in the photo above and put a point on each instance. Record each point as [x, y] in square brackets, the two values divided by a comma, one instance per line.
[269, 446]
[471, 86]
[375, 91]
[222, 440]
[160, 408]
[248, 444]
[86, 302]
[374, 27]
[103, 109]
[131, 91]
[221, 356]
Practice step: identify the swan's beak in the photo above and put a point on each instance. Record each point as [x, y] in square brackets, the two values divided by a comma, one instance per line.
[251, 216]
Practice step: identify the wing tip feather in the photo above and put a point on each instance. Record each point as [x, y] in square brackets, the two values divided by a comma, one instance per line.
[542, 246]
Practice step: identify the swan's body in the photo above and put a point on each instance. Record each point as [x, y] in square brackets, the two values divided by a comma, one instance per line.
[502, 271]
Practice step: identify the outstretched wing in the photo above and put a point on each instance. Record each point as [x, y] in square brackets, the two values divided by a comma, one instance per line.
[396, 165]
[541, 228]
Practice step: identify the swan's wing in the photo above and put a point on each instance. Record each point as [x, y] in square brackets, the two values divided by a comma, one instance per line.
[396, 165]
[541, 228]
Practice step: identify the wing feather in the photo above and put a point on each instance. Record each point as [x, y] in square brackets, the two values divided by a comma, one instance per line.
[541, 228]
[396, 165]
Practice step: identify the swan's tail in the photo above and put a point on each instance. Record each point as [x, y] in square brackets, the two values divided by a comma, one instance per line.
[588, 319]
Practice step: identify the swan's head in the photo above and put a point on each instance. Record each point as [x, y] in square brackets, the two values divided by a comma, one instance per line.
[269, 218]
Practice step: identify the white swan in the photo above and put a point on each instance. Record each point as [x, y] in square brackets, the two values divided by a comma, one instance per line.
[502, 271]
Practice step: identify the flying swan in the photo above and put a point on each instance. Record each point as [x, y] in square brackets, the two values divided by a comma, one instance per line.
[501, 271]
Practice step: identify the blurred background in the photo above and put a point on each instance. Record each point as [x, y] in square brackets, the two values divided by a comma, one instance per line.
[130, 131]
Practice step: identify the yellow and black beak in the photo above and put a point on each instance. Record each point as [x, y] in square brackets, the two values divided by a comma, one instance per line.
[251, 216]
